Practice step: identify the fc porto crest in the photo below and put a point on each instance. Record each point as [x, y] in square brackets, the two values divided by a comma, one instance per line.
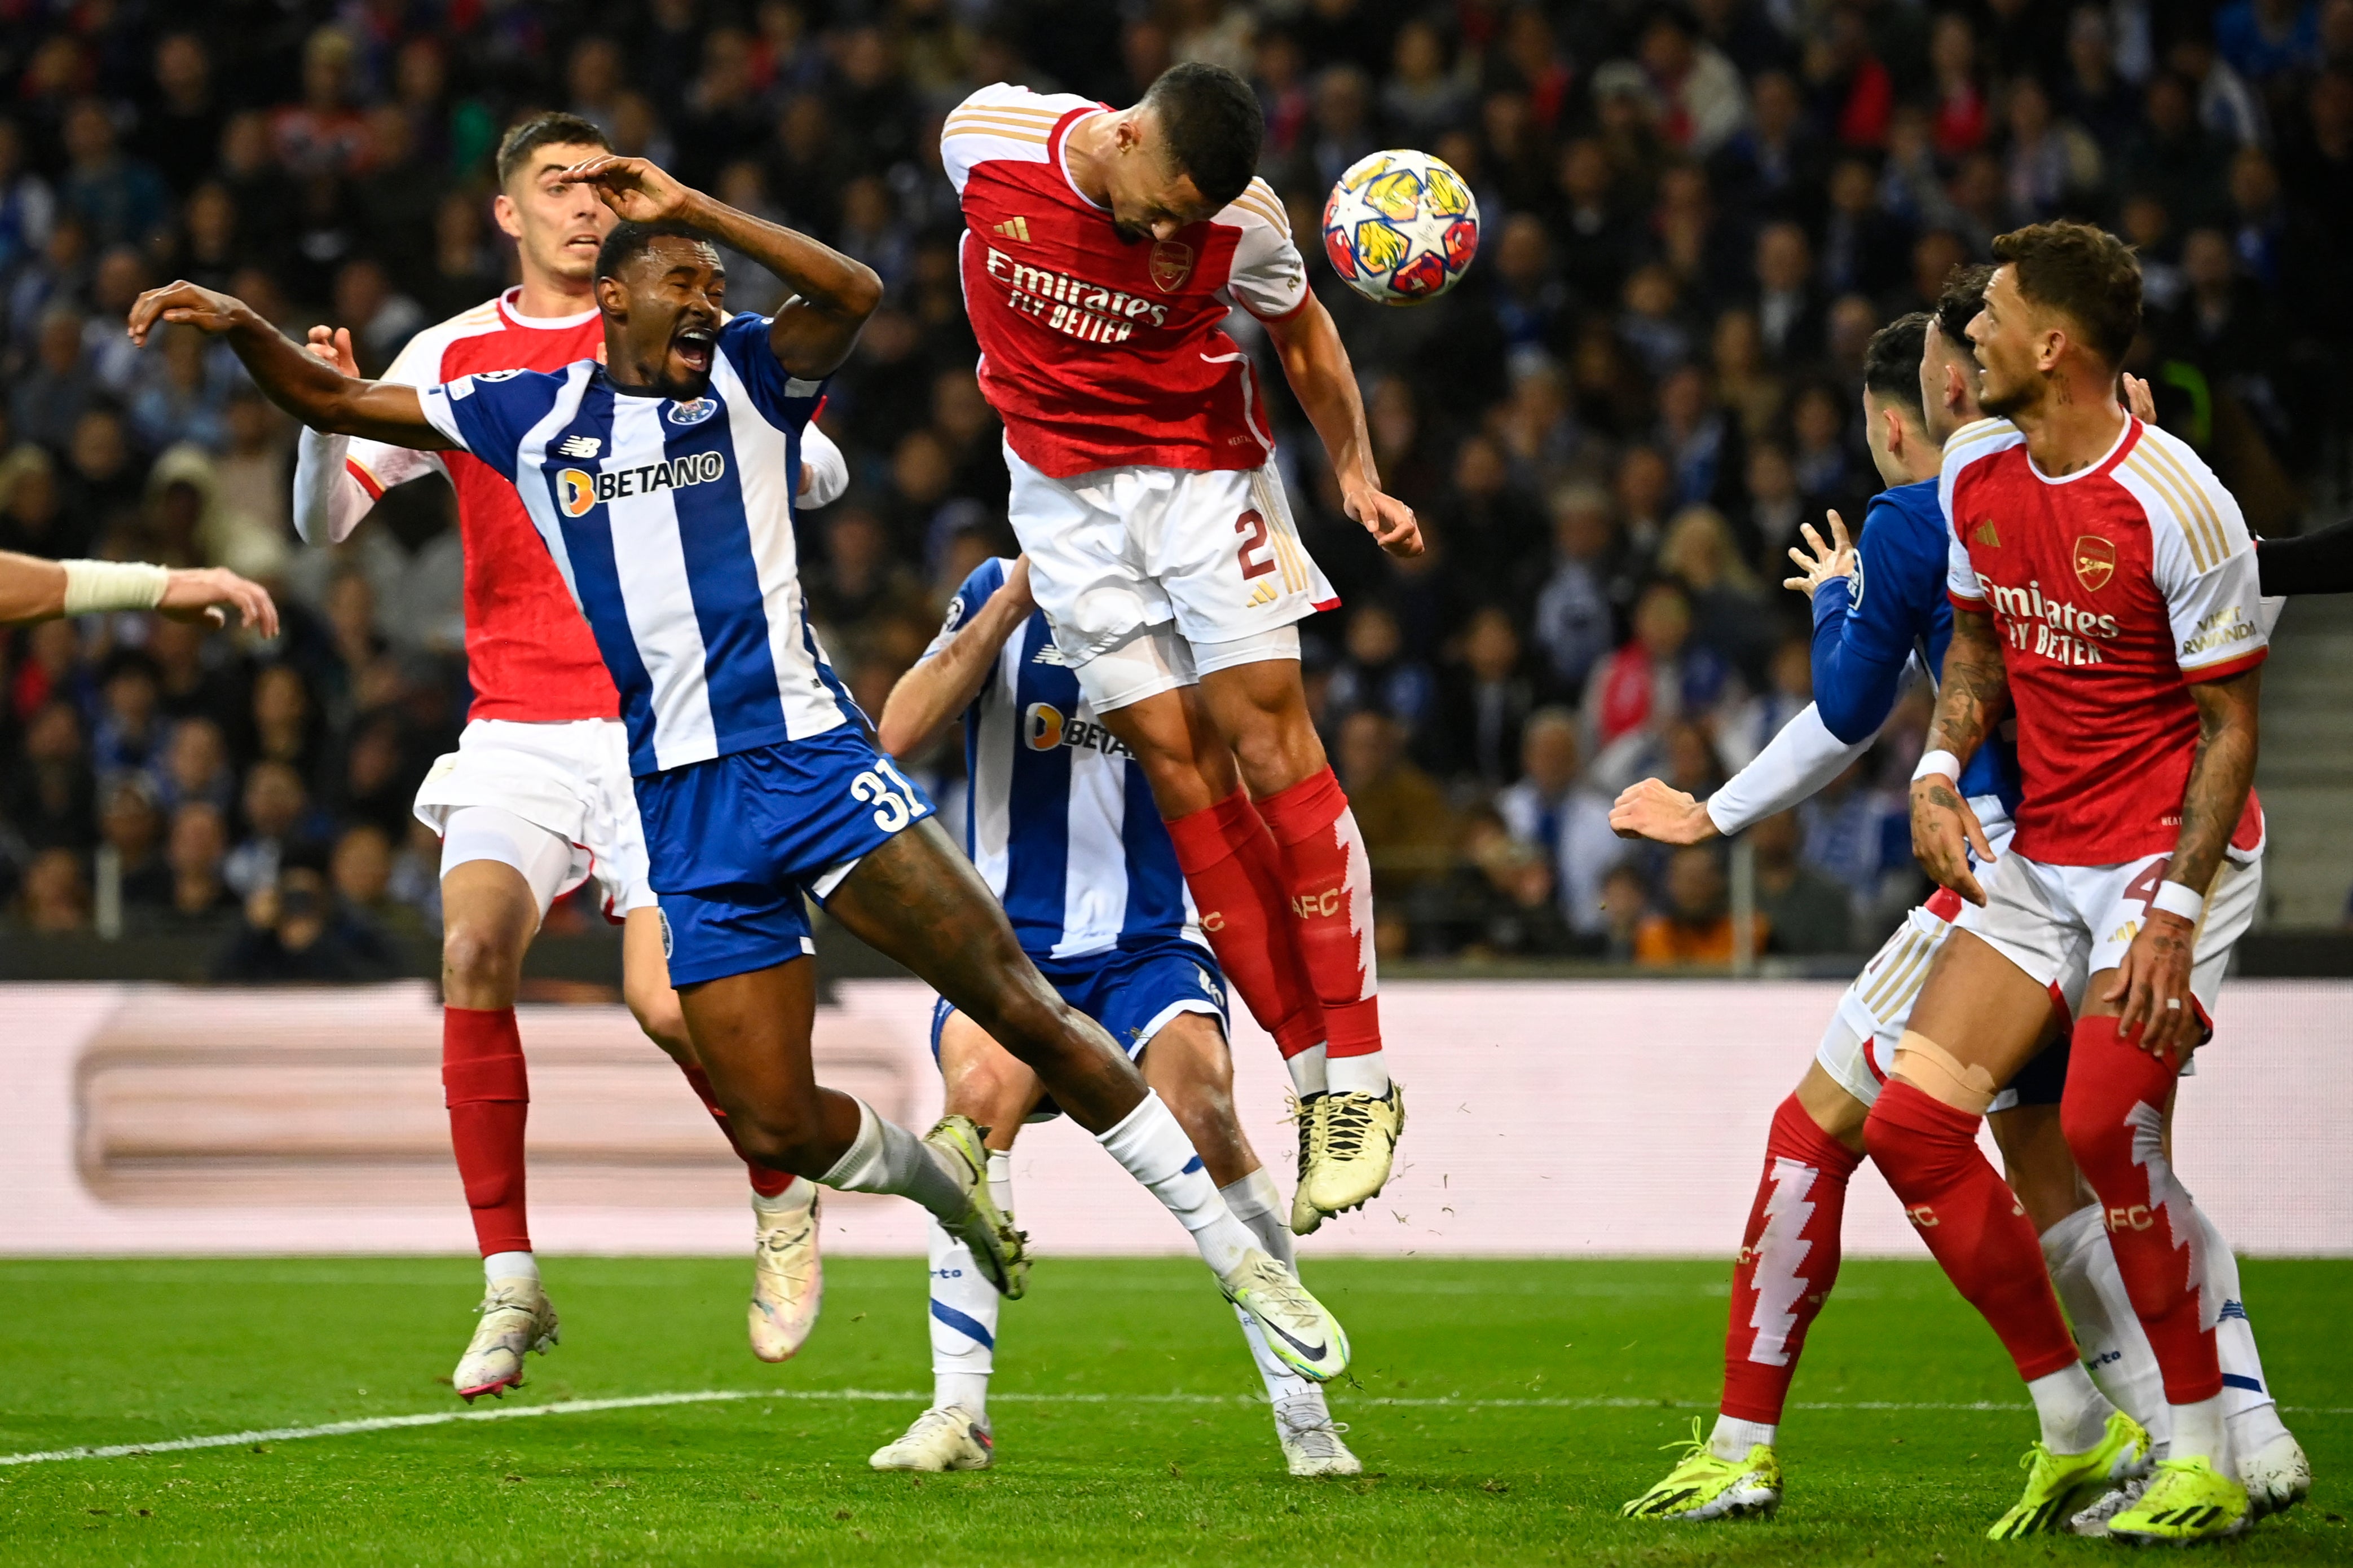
[695, 411]
[2096, 562]
[1172, 263]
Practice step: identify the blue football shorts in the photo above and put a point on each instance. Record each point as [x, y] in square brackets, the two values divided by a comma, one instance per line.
[1132, 992]
[737, 844]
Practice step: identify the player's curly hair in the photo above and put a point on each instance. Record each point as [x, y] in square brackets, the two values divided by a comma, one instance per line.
[627, 241]
[554, 129]
[1962, 299]
[1890, 361]
[1213, 125]
[2083, 271]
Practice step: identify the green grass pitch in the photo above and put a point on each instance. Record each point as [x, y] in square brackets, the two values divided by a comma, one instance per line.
[1504, 1410]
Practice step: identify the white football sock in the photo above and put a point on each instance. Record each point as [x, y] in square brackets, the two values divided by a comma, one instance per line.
[1150, 1146]
[1306, 1071]
[1366, 1074]
[2199, 1433]
[2247, 1403]
[497, 1266]
[2073, 1413]
[1733, 1437]
[2115, 1348]
[886, 1158]
[1255, 1200]
[963, 1319]
[795, 1199]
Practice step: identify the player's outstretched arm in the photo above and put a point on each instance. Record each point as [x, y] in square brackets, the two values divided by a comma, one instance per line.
[2153, 981]
[1974, 695]
[315, 393]
[1315, 363]
[944, 684]
[833, 294]
[32, 589]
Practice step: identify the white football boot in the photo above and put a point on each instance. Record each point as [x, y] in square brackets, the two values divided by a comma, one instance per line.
[944, 1438]
[1301, 1332]
[1347, 1143]
[787, 1277]
[1311, 1438]
[2277, 1476]
[516, 1318]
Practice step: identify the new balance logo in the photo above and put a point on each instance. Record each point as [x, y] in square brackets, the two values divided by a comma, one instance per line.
[581, 446]
[1049, 653]
[1014, 229]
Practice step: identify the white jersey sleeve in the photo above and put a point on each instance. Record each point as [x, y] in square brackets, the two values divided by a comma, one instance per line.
[1795, 764]
[825, 472]
[1269, 278]
[2203, 557]
[1002, 121]
[1971, 443]
[380, 467]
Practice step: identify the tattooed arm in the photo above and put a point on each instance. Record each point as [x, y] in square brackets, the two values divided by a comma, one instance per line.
[1971, 698]
[2154, 974]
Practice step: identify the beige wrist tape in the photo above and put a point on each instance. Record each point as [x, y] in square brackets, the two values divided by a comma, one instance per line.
[1937, 1073]
[93, 586]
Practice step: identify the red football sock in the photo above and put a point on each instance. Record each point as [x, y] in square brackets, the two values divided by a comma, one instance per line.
[1789, 1261]
[1971, 1220]
[1235, 873]
[2113, 1112]
[1328, 880]
[488, 1096]
[767, 1183]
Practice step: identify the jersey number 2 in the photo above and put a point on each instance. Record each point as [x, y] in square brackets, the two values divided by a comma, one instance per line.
[894, 808]
[1257, 554]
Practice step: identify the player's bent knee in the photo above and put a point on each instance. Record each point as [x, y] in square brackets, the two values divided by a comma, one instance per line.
[480, 956]
[782, 1138]
[1940, 1075]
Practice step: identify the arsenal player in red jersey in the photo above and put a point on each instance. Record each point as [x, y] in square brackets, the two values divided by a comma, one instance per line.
[2104, 593]
[537, 797]
[1103, 249]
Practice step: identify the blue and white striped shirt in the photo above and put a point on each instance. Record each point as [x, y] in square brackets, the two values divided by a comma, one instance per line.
[1058, 817]
[672, 524]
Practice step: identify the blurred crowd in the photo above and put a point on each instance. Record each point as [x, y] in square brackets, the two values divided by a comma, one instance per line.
[1694, 217]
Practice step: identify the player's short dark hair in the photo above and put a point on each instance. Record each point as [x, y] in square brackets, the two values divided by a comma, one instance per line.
[1962, 298]
[554, 130]
[2082, 272]
[631, 240]
[1890, 361]
[1213, 125]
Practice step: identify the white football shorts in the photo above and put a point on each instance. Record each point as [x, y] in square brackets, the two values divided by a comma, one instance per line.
[1857, 1050]
[1117, 550]
[571, 782]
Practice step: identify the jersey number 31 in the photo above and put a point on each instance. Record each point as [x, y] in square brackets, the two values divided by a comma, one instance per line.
[894, 807]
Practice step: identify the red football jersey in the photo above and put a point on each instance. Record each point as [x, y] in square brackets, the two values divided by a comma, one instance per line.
[529, 652]
[2113, 589]
[1098, 351]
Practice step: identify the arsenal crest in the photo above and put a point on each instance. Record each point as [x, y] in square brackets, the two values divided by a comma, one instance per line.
[1171, 264]
[2096, 562]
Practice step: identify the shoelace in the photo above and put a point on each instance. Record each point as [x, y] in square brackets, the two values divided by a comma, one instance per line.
[1691, 1448]
[1348, 1119]
[1279, 1289]
[1320, 1440]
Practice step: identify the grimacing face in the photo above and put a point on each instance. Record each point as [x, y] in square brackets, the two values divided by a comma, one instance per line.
[662, 316]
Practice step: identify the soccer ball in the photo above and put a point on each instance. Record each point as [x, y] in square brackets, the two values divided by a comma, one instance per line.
[1401, 227]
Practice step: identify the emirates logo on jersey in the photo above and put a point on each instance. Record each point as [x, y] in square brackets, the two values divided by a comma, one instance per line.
[2096, 563]
[1172, 263]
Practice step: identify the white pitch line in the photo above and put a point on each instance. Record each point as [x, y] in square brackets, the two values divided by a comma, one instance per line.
[896, 1397]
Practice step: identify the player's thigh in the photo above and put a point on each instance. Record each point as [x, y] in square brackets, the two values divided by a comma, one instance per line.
[2122, 893]
[1087, 571]
[1979, 1008]
[983, 1080]
[1185, 759]
[1189, 1066]
[646, 987]
[1222, 545]
[1837, 1110]
[1260, 706]
[498, 874]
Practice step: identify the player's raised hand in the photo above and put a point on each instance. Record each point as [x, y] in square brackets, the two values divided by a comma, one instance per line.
[2139, 401]
[207, 593]
[1944, 831]
[1819, 562]
[182, 304]
[635, 189]
[1389, 521]
[2158, 1014]
[333, 345]
[1656, 810]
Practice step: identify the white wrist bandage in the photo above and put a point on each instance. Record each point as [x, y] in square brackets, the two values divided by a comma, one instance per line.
[2179, 898]
[1937, 764]
[93, 586]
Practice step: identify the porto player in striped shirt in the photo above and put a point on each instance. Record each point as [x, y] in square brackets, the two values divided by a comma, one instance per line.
[1059, 821]
[536, 799]
[1102, 251]
[660, 482]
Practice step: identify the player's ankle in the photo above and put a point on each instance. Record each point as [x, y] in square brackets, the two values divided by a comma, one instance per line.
[515, 1265]
[1733, 1437]
[1365, 1074]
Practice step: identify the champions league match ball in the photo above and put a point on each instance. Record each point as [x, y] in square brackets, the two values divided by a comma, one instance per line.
[1400, 227]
